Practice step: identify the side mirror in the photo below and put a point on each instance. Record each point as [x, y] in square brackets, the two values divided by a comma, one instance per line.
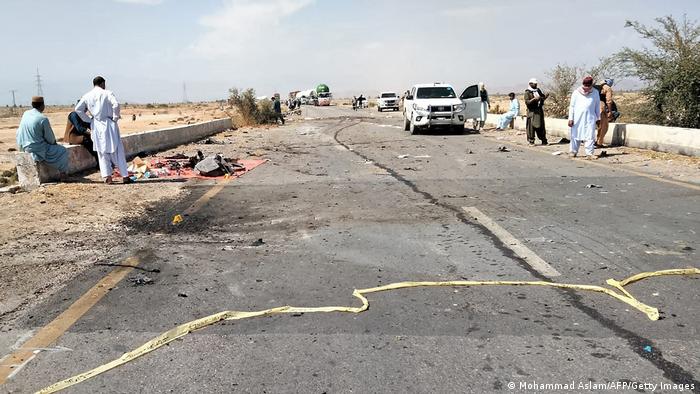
[409, 97]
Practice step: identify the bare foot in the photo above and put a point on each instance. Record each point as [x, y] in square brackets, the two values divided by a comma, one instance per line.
[108, 180]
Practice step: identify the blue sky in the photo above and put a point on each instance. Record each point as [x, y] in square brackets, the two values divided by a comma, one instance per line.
[147, 49]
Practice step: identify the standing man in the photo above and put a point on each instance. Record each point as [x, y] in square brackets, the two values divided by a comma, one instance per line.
[105, 131]
[277, 106]
[584, 115]
[513, 111]
[534, 101]
[606, 106]
[35, 136]
[485, 104]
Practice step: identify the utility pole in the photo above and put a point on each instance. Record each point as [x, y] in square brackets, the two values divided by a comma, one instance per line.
[14, 103]
[184, 93]
[39, 88]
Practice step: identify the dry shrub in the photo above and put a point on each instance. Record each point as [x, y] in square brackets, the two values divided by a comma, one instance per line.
[251, 111]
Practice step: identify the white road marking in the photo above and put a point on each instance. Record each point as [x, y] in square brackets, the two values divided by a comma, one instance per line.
[513, 243]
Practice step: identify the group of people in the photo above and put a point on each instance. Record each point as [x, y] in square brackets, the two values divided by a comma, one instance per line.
[93, 123]
[591, 108]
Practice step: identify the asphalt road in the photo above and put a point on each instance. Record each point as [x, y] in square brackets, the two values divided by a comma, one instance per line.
[340, 206]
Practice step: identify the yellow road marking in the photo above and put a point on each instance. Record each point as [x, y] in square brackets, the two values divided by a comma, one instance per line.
[184, 329]
[47, 335]
[658, 178]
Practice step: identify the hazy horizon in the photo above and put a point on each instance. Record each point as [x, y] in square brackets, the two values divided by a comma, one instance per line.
[147, 49]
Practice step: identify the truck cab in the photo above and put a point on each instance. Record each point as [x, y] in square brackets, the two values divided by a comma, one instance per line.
[432, 105]
[388, 100]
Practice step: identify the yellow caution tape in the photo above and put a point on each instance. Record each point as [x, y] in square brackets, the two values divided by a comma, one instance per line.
[177, 219]
[184, 329]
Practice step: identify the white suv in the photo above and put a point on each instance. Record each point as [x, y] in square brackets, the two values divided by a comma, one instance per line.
[388, 100]
[436, 104]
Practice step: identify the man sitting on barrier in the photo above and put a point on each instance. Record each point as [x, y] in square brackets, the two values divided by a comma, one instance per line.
[78, 133]
[35, 136]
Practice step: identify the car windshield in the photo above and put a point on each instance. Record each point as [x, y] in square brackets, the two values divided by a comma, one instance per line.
[435, 92]
[384, 95]
[324, 95]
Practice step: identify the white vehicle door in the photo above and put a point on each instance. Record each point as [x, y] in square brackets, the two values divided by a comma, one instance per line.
[408, 103]
[472, 102]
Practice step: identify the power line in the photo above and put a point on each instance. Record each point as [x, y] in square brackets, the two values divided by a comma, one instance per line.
[39, 88]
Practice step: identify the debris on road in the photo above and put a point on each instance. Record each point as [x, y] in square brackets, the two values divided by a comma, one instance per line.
[258, 242]
[402, 156]
[503, 148]
[183, 295]
[593, 186]
[557, 153]
[177, 219]
[141, 280]
[210, 141]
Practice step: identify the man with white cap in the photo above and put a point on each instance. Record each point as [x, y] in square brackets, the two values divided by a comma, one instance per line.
[105, 131]
[35, 136]
[534, 101]
[584, 115]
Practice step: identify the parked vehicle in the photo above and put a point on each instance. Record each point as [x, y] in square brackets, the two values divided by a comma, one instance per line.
[388, 100]
[432, 105]
[307, 97]
[324, 95]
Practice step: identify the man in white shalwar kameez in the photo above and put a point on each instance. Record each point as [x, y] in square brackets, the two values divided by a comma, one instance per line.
[104, 108]
[584, 115]
[513, 111]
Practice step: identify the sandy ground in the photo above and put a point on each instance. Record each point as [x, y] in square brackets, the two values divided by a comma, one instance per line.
[81, 218]
[146, 119]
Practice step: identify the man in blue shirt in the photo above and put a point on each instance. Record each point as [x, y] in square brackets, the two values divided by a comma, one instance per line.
[513, 111]
[35, 136]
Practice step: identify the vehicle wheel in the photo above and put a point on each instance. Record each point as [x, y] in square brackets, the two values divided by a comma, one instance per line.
[458, 128]
[412, 128]
[406, 123]
[379, 109]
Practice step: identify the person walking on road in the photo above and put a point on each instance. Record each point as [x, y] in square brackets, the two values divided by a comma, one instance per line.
[606, 107]
[35, 136]
[104, 108]
[513, 111]
[277, 106]
[584, 115]
[534, 101]
[485, 104]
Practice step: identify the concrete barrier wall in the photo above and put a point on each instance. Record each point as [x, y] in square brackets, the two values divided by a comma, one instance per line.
[31, 174]
[657, 138]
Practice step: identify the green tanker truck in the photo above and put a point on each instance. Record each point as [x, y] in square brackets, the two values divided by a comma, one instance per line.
[324, 94]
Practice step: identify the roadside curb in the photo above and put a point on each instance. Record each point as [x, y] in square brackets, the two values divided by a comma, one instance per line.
[31, 174]
[657, 138]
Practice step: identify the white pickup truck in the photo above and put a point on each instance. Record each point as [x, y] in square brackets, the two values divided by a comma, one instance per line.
[436, 104]
[388, 100]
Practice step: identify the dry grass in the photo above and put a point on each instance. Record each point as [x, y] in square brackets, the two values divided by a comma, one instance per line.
[630, 104]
